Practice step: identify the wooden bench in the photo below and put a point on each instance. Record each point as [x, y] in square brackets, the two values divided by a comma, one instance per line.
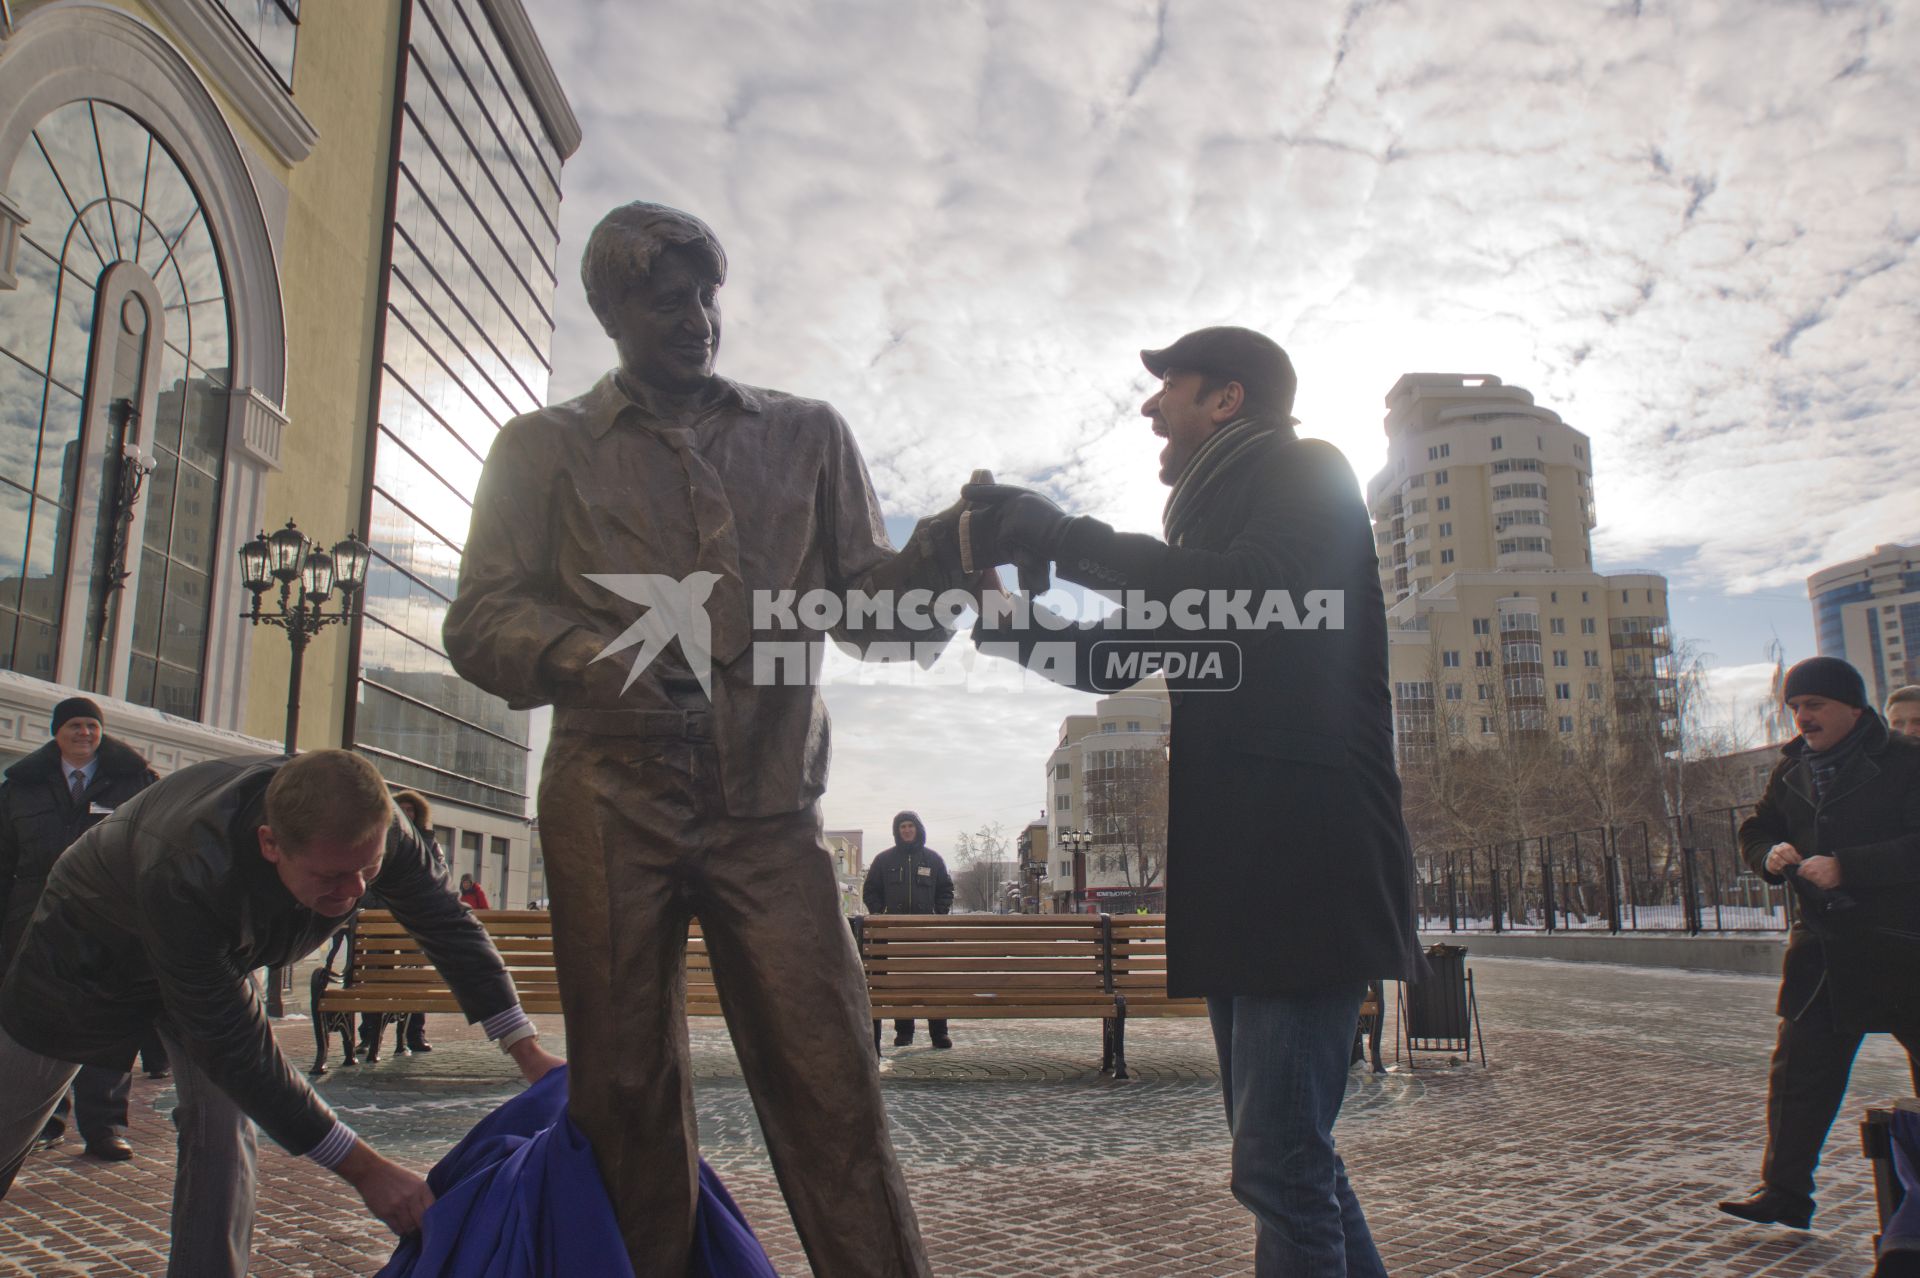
[936, 967]
[978, 966]
[388, 974]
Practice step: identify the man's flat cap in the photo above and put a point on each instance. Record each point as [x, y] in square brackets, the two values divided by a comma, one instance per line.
[1247, 357]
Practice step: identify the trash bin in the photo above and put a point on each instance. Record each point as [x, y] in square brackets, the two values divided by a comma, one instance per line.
[1440, 1011]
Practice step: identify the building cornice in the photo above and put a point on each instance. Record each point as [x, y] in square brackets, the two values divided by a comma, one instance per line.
[237, 71]
[529, 57]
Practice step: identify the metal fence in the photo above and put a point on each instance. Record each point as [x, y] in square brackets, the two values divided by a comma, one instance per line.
[1684, 874]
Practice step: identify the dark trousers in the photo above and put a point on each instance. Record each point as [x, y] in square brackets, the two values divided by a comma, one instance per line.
[904, 1029]
[373, 1029]
[1807, 1082]
[97, 1102]
[638, 843]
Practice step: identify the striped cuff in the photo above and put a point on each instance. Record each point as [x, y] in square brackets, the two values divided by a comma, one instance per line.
[334, 1146]
[508, 1027]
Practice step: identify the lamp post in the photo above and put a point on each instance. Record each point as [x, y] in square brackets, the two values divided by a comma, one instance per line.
[1076, 842]
[286, 558]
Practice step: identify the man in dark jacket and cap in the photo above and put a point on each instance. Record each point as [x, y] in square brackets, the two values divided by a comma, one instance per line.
[49, 799]
[1840, 821]
[1289, 874]
[909, 878]
[163, 914]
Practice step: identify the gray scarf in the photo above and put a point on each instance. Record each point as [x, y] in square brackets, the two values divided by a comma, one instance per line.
[1825, 765]
[1220, 457]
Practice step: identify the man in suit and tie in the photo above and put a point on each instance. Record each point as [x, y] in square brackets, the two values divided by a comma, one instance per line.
[49, 799]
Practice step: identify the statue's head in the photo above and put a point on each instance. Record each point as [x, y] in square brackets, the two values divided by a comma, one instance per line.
[653, 276]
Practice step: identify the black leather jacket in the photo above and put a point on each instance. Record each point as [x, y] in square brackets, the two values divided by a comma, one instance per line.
[39, 820]
[164, 910]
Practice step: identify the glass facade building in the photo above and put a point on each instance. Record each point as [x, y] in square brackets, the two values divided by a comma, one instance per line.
[467, 325]
[1867, 612]
[117, 337]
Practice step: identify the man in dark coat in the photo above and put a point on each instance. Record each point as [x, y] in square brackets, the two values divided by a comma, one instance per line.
[49, 799]
[1840, 821]
[1289, 877]
[910, 878]
[164, 912]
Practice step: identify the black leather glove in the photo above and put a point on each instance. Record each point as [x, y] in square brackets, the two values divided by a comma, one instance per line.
[1012, 525]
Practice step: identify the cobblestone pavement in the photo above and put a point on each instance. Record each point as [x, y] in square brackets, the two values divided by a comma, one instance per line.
[1619, 1105]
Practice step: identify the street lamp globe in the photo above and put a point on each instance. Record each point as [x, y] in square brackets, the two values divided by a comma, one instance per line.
[285, 550]
[253, 564]
[350, 558]
[316, 576]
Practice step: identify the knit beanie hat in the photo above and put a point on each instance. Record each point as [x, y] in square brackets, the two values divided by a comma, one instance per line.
[1827, 677]
[75, 708]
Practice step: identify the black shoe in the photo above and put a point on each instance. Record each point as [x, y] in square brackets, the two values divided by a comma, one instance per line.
[903, 1040]
[44, 1142]
[1772, 1207]
[421, 1046]
[110, 1149]
[162, 1072]
[942, 1042]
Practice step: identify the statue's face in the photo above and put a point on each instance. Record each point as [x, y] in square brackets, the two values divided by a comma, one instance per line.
[668, 329]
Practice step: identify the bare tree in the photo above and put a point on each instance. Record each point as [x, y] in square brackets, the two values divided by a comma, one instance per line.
[980, 859]
[1127, 810]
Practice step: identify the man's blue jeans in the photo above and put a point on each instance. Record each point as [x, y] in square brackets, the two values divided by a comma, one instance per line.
[1283, 1070]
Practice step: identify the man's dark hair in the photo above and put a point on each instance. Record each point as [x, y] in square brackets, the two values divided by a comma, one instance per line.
[628, 241]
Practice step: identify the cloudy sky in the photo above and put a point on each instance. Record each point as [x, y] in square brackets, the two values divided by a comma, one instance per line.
[1688, 228]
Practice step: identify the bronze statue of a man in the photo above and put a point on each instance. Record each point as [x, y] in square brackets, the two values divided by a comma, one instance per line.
[640, 520]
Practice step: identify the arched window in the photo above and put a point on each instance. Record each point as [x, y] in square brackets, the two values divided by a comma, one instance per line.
[121, 300]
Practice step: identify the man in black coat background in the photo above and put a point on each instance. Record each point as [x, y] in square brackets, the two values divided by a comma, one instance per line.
[909, 878]
[1840, 821]
[49, 799]
[1289, 875]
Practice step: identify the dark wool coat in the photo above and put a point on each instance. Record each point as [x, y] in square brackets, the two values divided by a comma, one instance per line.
[1288, 865]
[1859, 955]
[39, 820]
[908, 878]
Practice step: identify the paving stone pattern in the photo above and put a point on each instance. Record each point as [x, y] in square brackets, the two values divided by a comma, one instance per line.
[1619, 1105]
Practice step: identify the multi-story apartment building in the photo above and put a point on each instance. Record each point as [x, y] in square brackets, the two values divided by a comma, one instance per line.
[1106, 823]
[1498, 623]
[1867, 611]
[233, 237]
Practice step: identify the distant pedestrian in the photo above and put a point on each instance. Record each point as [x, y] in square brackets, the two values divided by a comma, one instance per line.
[472, 895]
[1838, 820]
[49, 799]
[910, 878]
[1903, 710]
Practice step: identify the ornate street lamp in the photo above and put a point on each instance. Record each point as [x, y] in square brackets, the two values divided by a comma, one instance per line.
[283, 559]
[1076, 842]
[307, 577]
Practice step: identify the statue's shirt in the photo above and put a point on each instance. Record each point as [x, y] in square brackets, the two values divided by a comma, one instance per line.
[592, 486]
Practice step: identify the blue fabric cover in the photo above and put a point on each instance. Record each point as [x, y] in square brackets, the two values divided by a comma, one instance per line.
[1903, 1227]
[521, 1197]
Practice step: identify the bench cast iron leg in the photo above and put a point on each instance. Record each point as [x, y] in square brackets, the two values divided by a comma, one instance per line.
[1120, 1037]
[1106, 1045]
[876, 1038]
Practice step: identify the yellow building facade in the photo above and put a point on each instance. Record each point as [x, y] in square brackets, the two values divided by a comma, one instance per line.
[197, 220]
